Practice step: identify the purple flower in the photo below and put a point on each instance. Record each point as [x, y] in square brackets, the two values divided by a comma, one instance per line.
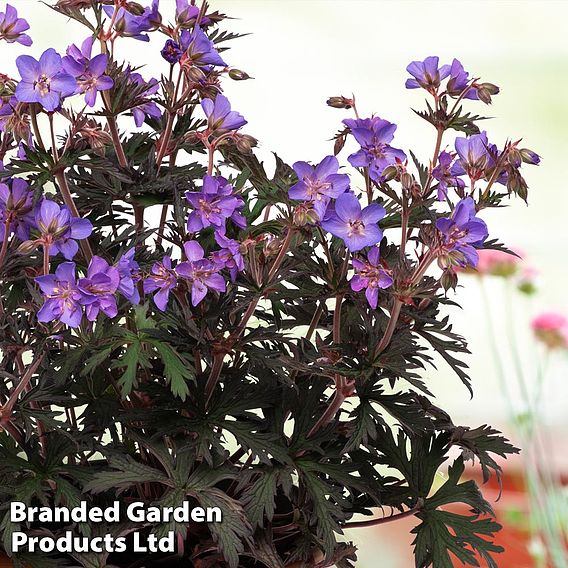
[358, 228]
[16, 208]
[89, 73]
[462, 232]
[373, 135]
[427, 74]
[163, 279]
[187, 13]
[98, 289]
[12, 27]
[370, 276]
[63, 298]
[200, 49]
[58, 229]
[213, 205]
[445, 175]
[459, 80]
[220, 117]
[127, 24]
[172, 51]
[43, 81]
[319, 184]
[128, 270]
[147, 108]
[203, 274]
[229, 256]
[473, 156]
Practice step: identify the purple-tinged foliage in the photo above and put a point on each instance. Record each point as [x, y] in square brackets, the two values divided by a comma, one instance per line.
[16, 208]
[161, 280]
[58, 230]
[355, 226]
[12, 28]
[370, 276]
[318, 184]
[44, 81]
[220, 117]
[201, 273]
[213, 205]
[374, 136]
[462, 232]
[98, 289]
[62, 297]
[89, 72]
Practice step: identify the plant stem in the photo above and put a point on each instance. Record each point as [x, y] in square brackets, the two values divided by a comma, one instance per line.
[35, 126]
[6, 410]
[6, 236]
[68, 200]
[45, 260]
[383, 520]
[118, 148]
[387, 336]
[217, 365]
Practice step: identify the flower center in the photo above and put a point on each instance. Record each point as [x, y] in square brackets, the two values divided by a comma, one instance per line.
[43, 85]
[315, 187]
[356, 227]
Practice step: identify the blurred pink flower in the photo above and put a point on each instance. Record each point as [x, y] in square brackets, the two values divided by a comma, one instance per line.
[552, 329]
[497, 263]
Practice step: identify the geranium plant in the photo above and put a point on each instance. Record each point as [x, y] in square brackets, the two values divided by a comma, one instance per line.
[265, 348]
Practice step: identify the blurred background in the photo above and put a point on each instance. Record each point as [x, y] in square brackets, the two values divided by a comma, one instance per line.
[303, 51]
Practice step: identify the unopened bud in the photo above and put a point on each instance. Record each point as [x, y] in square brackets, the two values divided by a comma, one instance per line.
[529, 157]
[238, 75]
[191, 137]
[340, 102]
[390, 173]
[135, 8]
[245, 143]
[27, 247]
[514, 157]
[193, 73]
[485, 91]
[407, 180]
[449, 280]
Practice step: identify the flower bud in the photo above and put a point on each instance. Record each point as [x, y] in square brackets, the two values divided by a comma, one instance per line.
[340, 102]
[407, 180]
[27, 247]
[193, 73]
[529, 157]
[304, 214]
[191, 137]
[135, 8]
[390, 173]
[245, 143]
[485, 91]
[238, 75]
[514, 157]
[449, 280]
